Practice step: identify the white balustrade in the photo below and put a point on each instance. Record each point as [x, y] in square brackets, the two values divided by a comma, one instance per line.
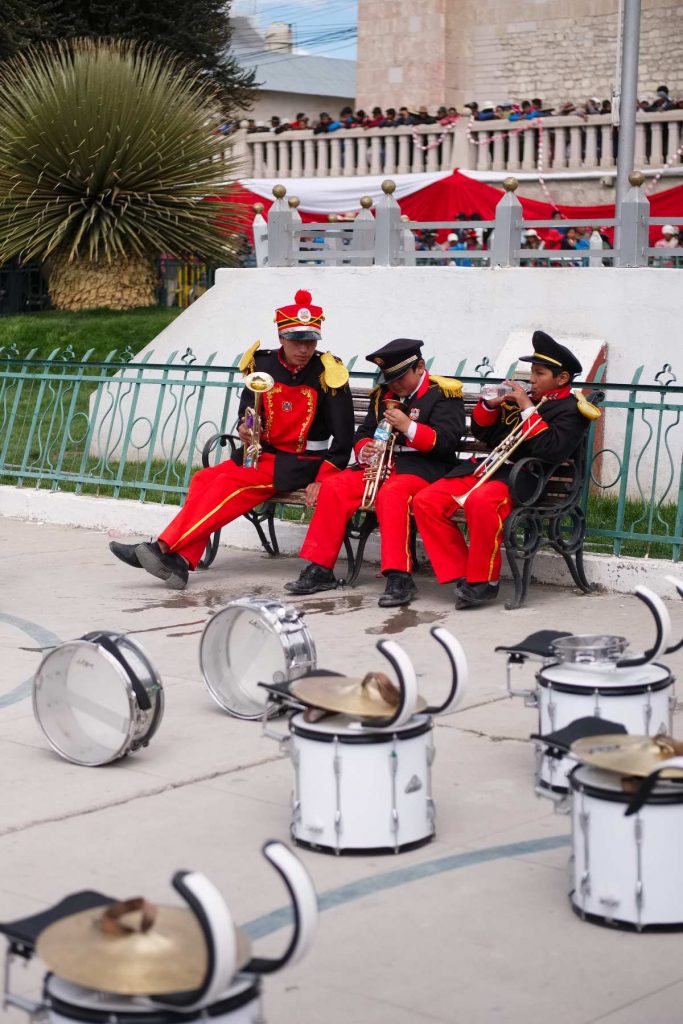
[570, 143]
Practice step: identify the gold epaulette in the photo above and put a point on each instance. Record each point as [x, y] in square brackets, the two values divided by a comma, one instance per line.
[586, 408]
[334, 375]
[450, 386]
[246, 363]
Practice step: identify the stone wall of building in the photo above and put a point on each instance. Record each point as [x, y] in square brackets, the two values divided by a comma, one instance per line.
[445, 51]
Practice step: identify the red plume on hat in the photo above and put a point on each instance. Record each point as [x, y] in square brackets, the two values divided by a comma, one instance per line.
[299, 317]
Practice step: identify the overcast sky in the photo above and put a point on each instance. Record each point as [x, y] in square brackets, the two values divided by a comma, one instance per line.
[320, 26]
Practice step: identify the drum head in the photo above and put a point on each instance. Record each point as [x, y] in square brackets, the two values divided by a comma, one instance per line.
[83, 702]
[242, 646]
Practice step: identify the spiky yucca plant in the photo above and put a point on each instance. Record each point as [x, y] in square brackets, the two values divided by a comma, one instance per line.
[107, 155]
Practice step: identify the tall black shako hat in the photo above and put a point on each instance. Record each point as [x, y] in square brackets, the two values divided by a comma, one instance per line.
[396, 358]
[549, 352]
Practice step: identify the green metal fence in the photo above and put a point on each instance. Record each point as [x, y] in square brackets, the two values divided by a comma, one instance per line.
[136, 429]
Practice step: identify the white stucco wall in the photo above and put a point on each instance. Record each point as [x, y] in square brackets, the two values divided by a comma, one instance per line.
[460, 313]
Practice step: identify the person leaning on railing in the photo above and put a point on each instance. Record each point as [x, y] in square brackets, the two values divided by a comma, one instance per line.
[306, 435]
[551, 434]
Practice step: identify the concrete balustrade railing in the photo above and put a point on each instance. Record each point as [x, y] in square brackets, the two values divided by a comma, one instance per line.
[553, 144]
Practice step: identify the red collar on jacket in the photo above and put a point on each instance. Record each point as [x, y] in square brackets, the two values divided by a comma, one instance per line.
[288, 366]
[553, 396]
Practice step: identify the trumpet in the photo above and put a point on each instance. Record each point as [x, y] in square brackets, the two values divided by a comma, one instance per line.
[497, 457]
[258, 383]
[378, 470]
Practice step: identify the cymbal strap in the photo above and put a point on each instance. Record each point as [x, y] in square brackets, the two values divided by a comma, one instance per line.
[111, 924]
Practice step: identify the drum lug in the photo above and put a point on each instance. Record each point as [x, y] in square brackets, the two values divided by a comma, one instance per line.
[337, 764]
[640, 894]
[393, 771]
[431, 811]
[672, 708]
[584, 820]
[431, 754]
[648, 711]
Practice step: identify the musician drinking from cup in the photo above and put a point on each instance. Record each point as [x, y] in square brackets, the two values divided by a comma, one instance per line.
[550, 433]
[427, 415]
[306, 432]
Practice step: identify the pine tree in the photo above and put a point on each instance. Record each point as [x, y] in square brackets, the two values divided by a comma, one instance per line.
[199, 32]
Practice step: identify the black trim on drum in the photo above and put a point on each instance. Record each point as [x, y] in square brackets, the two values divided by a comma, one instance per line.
[614, 796]
[618, 925]
[541, 784]
[364, 851]
[605, 691]
[364, 738]
[91, 1016]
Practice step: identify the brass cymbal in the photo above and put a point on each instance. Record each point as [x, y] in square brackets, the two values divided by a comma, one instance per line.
[374, 696]
[169, 956]
[628, 755]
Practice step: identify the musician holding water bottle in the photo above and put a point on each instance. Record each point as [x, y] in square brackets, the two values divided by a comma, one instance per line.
[426, 416]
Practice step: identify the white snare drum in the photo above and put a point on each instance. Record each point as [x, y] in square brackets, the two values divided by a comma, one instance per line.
[625, 871]
[360, 790]
[641, 699]
[97, 698]
[71, 1004]
[253, 640]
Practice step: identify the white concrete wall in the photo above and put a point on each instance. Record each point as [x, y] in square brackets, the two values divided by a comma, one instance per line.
[460, 312]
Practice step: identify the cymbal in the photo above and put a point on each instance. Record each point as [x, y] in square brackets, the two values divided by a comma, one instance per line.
[170, 956]
[628, 755]
[374, 696]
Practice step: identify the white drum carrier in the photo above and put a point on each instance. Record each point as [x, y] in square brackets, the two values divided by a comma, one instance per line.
[361, 787]
[591, 675]
[230, 991]
[626, 854]
[253, 640]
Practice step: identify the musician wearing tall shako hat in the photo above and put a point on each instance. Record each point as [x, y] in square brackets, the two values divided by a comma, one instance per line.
[551, 421]
[305, 435]
[427, 417]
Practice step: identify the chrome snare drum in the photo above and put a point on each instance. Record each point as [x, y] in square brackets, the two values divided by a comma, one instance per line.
[253, 640]
[98, 698]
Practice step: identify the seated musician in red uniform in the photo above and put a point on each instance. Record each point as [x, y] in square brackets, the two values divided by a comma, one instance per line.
[551, 435]
[428, 417]
[306, 436]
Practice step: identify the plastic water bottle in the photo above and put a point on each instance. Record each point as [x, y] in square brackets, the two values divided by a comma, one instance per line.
[382, 432]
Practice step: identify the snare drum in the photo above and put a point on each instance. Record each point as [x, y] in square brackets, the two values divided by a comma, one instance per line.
[626, 871]
[361, 790]
[641, 699]
[71, 1004]
[253, 640]
[97, 698]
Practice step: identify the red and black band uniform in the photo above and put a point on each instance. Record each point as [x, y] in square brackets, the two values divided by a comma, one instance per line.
[306, 436]
[553, 433]
[438, 412]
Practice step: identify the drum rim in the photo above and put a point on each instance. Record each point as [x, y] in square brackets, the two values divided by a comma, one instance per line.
[619, 924]
[156, 1014]
[616, 796]
[125, 746]
[364, 851]
[365, 739]
[620, 690]
[268, 707]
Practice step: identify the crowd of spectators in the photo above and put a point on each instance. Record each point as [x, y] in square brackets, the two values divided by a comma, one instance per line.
[527, 110]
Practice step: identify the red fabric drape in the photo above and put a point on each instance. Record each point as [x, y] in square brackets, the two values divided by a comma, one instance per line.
[460, 194]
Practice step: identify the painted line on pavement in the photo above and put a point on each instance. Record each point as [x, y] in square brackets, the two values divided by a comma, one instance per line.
[372, 884]
[43, 637]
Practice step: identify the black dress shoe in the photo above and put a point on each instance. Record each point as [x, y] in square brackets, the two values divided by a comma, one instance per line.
[125, 553]
[311, 580]
[170, 568]
[471, 595]
[399, 590]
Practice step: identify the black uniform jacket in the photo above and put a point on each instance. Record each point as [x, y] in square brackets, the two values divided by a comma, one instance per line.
[439, 413]
[557, 440]
[306, 424]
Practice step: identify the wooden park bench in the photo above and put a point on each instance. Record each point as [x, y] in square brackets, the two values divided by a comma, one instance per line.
[551, 517]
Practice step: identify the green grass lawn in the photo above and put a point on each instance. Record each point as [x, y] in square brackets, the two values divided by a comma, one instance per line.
[99, 329]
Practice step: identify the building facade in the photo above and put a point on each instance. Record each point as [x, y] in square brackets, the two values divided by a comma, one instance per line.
[452, 51]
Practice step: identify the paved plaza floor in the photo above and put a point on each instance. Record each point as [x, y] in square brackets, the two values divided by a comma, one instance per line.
[471, 929]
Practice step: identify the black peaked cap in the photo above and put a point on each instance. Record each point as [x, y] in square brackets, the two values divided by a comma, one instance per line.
[396, 357]
[550, 353]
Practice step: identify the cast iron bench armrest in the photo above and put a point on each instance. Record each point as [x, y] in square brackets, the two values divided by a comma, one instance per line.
[214, 441]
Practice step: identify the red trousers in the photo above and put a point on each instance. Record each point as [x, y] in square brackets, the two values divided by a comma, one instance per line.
[338, 499]
[485, 512]
[217, 495]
